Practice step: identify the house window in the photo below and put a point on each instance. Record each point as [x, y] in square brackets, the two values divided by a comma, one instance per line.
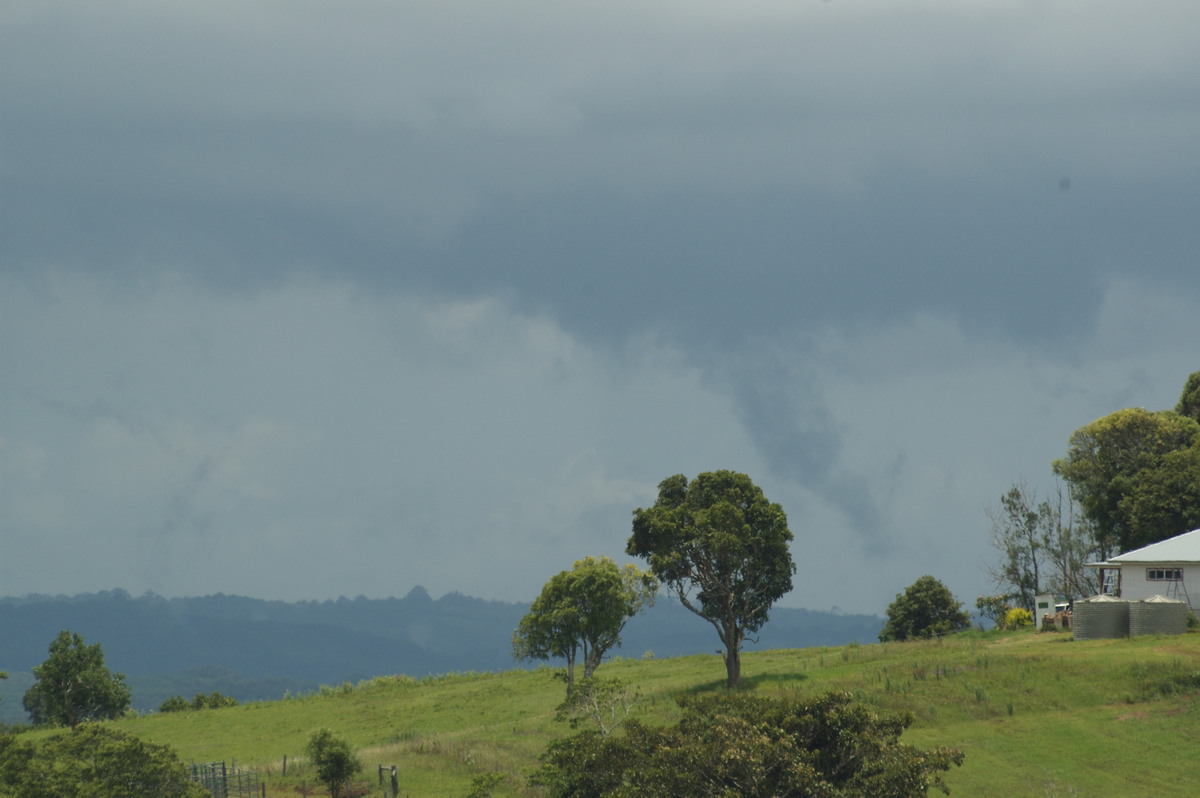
[1164, 574]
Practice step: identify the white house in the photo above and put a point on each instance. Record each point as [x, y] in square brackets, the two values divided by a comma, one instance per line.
[1165, 568]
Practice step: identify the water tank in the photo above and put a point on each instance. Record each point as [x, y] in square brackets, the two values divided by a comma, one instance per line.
[1100, 617]
[1158, 615]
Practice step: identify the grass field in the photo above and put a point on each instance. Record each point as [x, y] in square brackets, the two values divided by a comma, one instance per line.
[1036, 714]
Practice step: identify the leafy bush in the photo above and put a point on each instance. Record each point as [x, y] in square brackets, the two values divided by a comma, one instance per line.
[749, 746]
[178, 703]
[1018, 618]
[92, 760]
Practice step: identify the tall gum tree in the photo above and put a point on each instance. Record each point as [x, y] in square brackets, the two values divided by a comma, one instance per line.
[721, 547]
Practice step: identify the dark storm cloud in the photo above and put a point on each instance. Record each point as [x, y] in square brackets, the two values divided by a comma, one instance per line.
[732, 185]
[676, 191]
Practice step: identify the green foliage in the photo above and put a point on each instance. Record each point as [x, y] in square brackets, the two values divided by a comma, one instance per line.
[925, 609]
[334, 760]
[73, 685]
[1189, 400]
[212, 701]
[178, 703]
[750, 746]
[994, 607]
[482, 786]
[95, 761]
[583, 611]
[1133, 477]
[1018, 618]
[722, 549]
[605, 702]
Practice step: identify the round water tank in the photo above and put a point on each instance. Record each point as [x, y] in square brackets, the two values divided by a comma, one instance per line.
[1158, 615]
[1100, 617]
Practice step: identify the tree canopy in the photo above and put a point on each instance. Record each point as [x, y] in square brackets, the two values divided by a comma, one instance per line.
[752, 747]
[1189, 399]
[73, 685]
[925, 609]
[722, 548]
[1136, 475]
[582, 611]
[92, 760]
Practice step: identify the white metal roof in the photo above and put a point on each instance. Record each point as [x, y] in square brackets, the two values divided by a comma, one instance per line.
[1181, 548]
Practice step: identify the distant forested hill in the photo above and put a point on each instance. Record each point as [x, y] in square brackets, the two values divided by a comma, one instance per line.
[254, 649]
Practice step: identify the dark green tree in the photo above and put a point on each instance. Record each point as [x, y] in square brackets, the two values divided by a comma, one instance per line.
[925, 609]
[1189, 400]
[73, 685]
[1163, 500]
[722, 549]
[582, 612]
[95, 761]
[1112, 460]
[334, 760]
[752, 747]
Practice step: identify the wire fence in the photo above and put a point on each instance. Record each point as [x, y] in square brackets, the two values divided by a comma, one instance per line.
[226, 782]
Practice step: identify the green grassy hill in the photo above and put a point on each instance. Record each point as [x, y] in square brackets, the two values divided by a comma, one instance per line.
[1036, 714]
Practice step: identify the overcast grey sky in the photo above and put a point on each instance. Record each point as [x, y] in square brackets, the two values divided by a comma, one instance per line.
[303, 299]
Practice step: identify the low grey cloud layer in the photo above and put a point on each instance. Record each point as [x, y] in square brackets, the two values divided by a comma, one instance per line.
[301, 300]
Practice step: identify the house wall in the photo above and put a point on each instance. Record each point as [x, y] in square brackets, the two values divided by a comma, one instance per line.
[1135, 586]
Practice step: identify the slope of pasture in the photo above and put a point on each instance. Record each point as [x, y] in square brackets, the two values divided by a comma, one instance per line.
[1036, 714]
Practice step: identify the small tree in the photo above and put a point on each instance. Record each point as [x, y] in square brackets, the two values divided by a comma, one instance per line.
[73, 685]
[582, 611]
[1043, 545]
[925, 609]
[722, 549]
[1016, 534]
[334, 760]
[605, 702]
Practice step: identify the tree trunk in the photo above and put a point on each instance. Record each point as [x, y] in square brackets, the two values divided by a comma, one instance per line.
[731, 636]
[733, 666]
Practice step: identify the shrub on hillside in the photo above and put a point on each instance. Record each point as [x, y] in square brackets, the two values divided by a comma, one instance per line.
[334, 760]
[1018, 618]
[749, 746]
[925, 609]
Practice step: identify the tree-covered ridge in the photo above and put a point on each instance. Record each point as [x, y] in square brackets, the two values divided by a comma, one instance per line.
[253, 649]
